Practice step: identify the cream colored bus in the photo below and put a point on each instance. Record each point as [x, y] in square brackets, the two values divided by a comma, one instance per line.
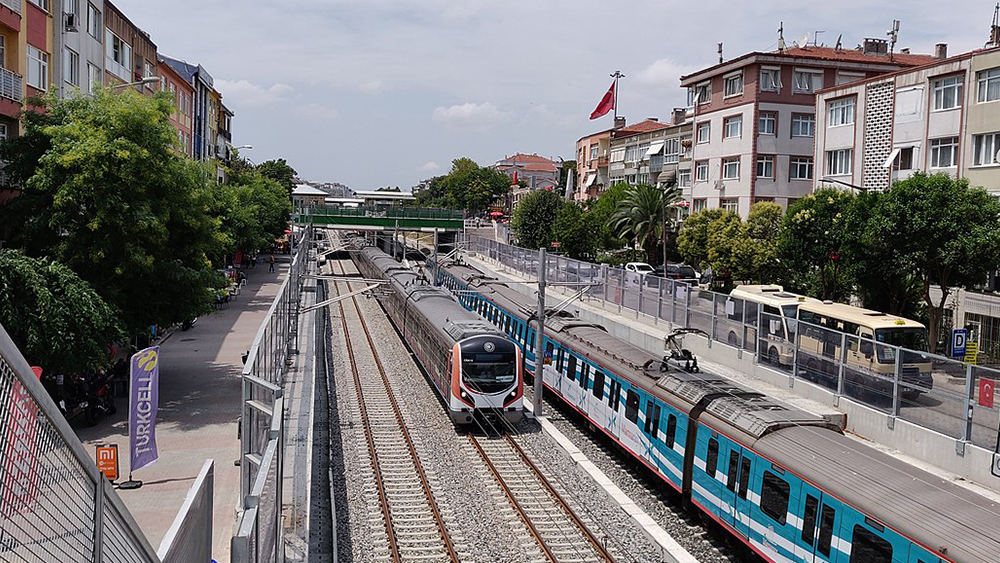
[870, 338]
[779, 311]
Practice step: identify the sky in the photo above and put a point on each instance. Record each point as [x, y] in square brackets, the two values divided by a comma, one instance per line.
[375, 93]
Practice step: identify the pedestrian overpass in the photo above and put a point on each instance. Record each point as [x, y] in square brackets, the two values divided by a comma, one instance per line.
[382, 219]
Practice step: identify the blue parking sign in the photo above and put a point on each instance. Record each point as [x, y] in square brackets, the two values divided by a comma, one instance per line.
[959, 338]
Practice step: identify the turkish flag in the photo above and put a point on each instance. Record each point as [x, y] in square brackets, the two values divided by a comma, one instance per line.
[607, 103]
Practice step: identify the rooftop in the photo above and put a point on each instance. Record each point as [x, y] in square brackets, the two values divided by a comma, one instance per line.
[641, 127]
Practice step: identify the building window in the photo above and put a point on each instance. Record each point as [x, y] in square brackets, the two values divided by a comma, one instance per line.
[701, 171]
[770, 79]
[671, 150]
[985, 149]
[593, 152]
[768, 123]
[989, 85]
[71, 66]
[43, 4]
[848, 77]
[703, 93]
[733, 84]
[904, 159]
[730, 204]
[733, 126]
[801, 168]
[944, 152]
[803, 125]
[684, 178]
[699, 204]
[807, 81]
[838, 162]
[93, 21]
[3, 52]
[3, 131]
[704, 132]
[840, 112]
[617, 155]
[731, 168]
[765, 167]
[93, 76]
[38, 68]
[118, 57]
[632, 153]
[947, 93]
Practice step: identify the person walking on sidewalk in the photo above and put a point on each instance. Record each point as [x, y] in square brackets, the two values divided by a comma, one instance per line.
[270, 267]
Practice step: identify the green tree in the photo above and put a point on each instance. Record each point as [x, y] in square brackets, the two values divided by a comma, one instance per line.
[812, 243]
[745, 251]
[948, 232]
[110, 198]
[602, 209]
[534, 218]
[56, 319]
[641, 216]
[279, 171]
[467, 186]
[253, 214]
[692, 240]
[575, 230]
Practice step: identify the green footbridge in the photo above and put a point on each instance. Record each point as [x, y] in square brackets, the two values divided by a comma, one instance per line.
[382, 219]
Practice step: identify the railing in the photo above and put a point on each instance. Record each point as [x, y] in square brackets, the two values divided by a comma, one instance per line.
[939, 393]
[258, 536]
[14, 5]
[386, 213]
[54, 504]
[11, 83]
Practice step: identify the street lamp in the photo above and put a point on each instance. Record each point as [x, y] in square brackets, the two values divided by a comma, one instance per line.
[241, 147]
[144, 81]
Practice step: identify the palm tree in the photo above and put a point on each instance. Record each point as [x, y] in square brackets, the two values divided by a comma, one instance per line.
[642, 215]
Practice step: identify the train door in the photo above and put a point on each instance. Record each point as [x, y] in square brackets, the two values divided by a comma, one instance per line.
[600, 412]
[739, 470]
[819, 538]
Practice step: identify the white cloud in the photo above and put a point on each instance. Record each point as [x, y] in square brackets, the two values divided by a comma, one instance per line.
[247, 93]
[373, 87]
[317, 112]
[664, 72]
[471, 116]
[430, 166]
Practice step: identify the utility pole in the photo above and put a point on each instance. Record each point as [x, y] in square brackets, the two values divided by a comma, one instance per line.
[437, 267]
[540, 334]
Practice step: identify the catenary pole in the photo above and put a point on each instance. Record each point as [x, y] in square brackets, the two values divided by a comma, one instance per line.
[540, 334]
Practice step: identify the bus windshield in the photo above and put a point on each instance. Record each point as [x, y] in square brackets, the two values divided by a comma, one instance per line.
[912, 338]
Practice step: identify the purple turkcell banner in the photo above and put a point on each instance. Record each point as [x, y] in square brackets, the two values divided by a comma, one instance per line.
[143, 399]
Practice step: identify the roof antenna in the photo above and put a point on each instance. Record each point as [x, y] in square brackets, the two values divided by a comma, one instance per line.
[995, 28]
[894, 35]
[840, 45]
[816, 38]
[781, 37]
[720, 53]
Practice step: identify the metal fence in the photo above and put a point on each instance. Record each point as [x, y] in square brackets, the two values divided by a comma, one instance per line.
[258, 537]
[936, 392]
[54, 504]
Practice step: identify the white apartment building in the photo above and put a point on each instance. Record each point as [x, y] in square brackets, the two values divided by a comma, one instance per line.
[78, 47]
[651, 152]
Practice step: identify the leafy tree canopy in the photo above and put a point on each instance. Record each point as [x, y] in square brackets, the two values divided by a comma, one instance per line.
[56, 319]
[253, 214]
[279, 171]
[812, 243]
[641, 215]
[109, 197]
[468, 186]
[576, 231]
[534, 217]
[692, 241]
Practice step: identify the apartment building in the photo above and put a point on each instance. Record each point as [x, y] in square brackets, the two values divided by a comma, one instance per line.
[754, 119]
[78, 46]
[537, 172]
[12, 65]
[129, 53]
[650, 152]
[940, 117]
[183, 94]
[202, 85]
[592, 152]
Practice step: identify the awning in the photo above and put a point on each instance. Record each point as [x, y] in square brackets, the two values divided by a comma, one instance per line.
[591, 178]
[892, 158]
[655, 148]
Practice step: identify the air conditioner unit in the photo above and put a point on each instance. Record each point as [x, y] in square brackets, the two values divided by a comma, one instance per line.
[69, 20]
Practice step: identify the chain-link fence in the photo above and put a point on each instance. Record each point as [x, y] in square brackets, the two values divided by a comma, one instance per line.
[259, 535]
[54, 504]
[939, 393]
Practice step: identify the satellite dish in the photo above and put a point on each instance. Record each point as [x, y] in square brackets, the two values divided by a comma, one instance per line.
[804, 42]
[996, 158]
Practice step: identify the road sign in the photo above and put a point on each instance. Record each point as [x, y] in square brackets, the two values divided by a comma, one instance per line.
[971, 351]
[555, 244]
[986, 387]
[107, 461]
[959, 338]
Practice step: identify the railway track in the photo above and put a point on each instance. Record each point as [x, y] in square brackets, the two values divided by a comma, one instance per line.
[414, 525]
[560, 534]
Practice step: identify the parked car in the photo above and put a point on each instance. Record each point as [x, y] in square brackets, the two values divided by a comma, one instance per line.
[677, 272]
[635, 271]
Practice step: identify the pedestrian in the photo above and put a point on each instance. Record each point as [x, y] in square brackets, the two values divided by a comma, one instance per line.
[271, 266]
[253, 260]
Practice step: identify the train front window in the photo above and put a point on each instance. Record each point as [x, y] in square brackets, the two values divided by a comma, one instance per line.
[489, 373]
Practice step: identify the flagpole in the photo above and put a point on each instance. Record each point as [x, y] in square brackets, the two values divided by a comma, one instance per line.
[617, 74]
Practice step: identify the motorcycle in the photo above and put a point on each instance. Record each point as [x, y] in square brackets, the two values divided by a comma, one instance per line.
[88, 394]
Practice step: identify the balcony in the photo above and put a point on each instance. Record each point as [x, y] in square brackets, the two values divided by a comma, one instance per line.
[13, 5]
[11, 86]
[601, 161]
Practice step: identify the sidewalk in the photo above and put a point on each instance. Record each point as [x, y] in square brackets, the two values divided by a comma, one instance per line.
[199, 407]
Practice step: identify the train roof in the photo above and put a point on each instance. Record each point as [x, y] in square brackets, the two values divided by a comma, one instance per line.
[742, 410]
[931, 510]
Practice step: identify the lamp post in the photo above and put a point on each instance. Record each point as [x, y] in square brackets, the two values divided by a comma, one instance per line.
[144, 81]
